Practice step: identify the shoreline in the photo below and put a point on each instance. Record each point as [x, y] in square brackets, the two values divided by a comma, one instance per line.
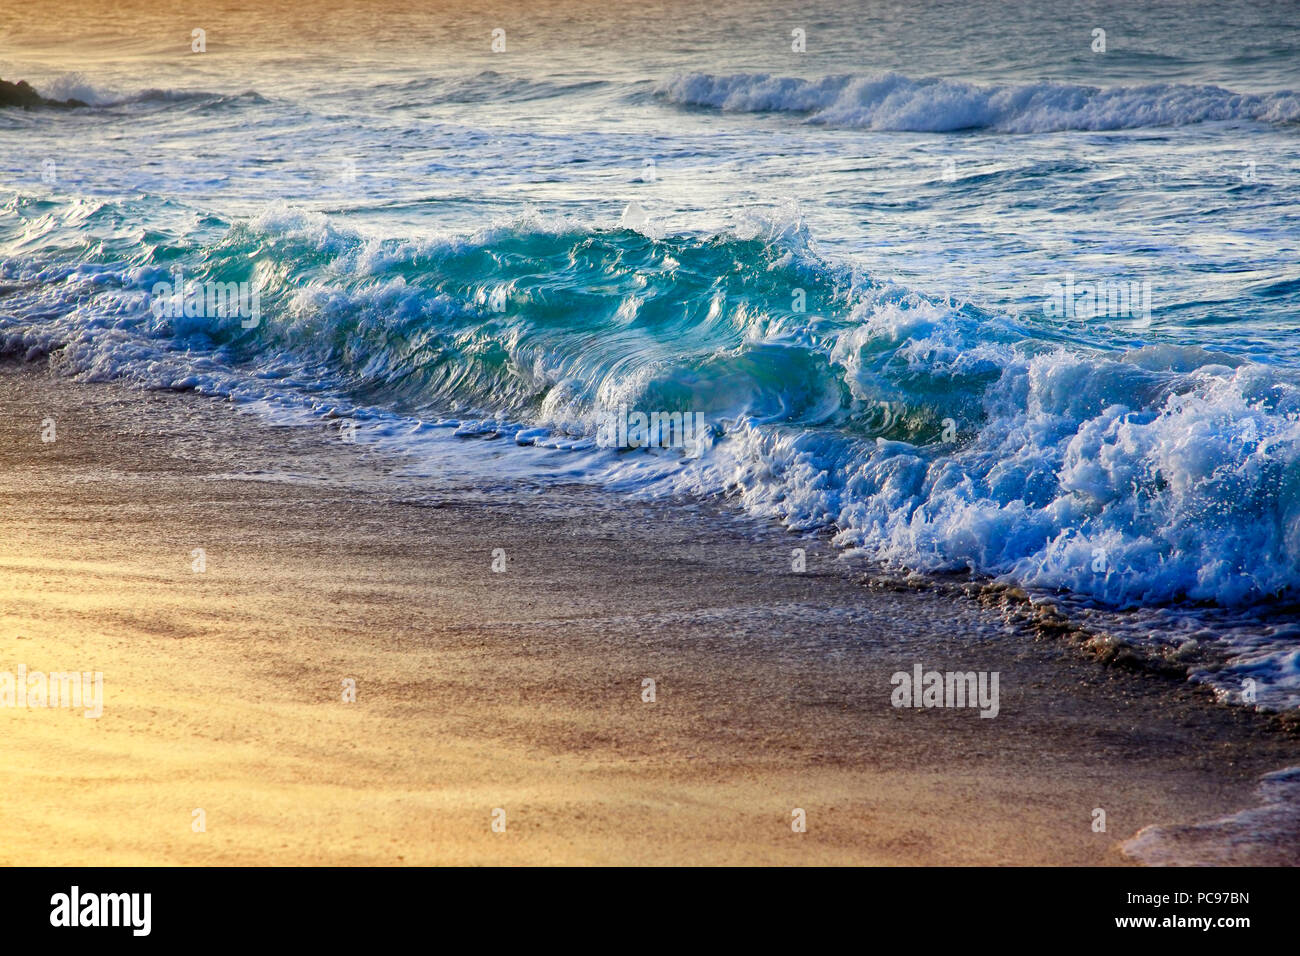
[521, 690]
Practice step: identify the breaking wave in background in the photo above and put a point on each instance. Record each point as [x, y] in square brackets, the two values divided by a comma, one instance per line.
[891, 101]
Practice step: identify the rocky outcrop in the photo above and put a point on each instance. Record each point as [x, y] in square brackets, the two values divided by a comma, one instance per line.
[21, 94]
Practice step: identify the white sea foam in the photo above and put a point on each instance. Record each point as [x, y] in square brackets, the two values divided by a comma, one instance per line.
[891, 101]
[1264, 835]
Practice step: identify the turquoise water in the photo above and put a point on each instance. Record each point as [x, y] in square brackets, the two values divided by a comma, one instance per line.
[842, 258]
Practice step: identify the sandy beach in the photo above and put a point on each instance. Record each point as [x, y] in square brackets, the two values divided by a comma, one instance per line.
[520, 690]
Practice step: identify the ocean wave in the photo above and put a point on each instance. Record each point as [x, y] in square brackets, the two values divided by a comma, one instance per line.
[891, 101]
[485, 86]
[924, 434]
[77, 86]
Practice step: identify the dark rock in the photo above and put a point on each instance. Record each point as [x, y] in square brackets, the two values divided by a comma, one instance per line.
[22, 94]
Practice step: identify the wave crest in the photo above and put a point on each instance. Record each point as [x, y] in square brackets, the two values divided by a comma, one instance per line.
[891, 101]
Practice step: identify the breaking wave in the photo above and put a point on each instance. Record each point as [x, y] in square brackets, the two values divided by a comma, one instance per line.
[926, 434]
[891, 101]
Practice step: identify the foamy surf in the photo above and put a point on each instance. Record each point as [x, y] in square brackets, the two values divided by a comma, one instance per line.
[1264, 835]
[891, 101]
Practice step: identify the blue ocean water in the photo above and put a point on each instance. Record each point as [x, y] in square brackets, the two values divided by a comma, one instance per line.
[849, 259]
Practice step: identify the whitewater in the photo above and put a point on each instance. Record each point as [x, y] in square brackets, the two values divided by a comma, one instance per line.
[844, 261]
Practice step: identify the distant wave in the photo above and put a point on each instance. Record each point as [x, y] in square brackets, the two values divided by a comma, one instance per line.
[484, 86]
[890, 101]
[76, 86]
[184, 96]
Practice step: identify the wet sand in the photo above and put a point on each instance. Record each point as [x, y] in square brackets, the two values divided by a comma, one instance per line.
[520, 690]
